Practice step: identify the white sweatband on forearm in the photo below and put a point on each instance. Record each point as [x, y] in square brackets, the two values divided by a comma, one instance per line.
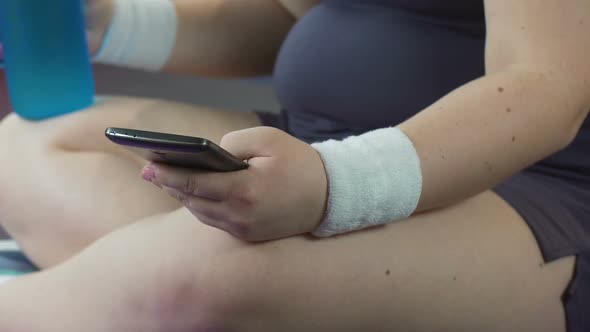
[141, 35]
[374, 179]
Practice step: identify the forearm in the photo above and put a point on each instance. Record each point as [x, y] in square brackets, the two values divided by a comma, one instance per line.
[491, 128]
[463, 144]
[228, 38]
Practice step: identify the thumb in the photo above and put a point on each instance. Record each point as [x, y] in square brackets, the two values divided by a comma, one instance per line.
[252, 142]
[94, 42]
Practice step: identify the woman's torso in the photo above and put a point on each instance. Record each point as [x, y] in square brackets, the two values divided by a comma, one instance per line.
[350, 66]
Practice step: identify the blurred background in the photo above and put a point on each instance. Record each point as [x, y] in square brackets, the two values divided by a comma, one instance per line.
[253, 94]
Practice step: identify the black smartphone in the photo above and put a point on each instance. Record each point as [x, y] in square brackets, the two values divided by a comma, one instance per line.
[176, 150]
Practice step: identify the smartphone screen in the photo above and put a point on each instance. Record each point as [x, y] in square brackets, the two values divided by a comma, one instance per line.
[176, 150]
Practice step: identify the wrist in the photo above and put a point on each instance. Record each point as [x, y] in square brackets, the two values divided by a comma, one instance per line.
[373, 179]
[99, 16]
[322, 189]
[141, 34]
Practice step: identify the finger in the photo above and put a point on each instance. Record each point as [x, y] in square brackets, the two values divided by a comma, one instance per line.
[253, 142]
[219, 224]
[211, 185]
[211, 213]
[212, 209]
[94, 41]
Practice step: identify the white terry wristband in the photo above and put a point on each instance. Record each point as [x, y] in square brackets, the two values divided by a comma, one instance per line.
[142, 34]
[374, 179]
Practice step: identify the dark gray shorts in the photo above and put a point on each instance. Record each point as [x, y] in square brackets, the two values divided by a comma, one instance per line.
[557, 211]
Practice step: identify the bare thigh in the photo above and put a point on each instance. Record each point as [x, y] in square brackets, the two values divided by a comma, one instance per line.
[64, 185]
[474, 266]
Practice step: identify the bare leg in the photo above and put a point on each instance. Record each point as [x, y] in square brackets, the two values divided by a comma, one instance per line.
[474, 266]
[471, 267]
[64, 185]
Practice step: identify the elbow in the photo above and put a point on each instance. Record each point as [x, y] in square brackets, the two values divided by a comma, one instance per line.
[571, 129]
[570, 102]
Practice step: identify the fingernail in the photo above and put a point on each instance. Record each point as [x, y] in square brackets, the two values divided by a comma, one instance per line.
[148, 173]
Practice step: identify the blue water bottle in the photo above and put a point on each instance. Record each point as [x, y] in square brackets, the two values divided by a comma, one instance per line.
[46, 57]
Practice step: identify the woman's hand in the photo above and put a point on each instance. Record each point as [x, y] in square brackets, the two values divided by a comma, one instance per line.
[98, 15]
[282, 193]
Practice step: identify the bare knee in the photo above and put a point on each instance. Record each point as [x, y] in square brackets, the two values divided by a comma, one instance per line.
[30, 207]
[14, 129]
[245, 291]
[29, 139]
[10, 121]
[78, 131]
[173, 281]
[206, 282]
